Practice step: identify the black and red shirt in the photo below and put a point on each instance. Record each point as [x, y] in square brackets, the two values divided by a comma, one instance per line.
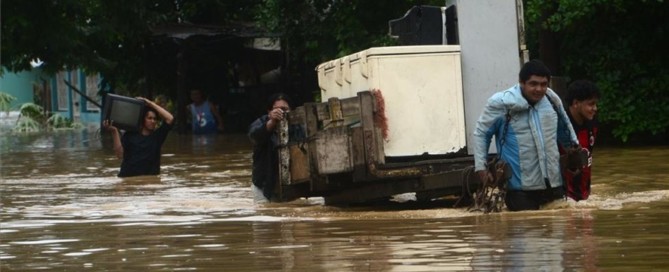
[578, 183]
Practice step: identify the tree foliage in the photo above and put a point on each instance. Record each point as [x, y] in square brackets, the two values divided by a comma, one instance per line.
[621, 45]
[618, 44]
[319, 30]
[97, 36]
[109, 37]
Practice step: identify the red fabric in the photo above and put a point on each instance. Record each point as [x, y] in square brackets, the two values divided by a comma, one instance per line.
[578, 186]
[380, 119]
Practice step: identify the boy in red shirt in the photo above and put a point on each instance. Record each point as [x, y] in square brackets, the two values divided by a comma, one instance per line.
[582, 98]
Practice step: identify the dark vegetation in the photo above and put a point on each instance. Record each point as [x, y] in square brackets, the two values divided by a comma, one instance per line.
[621, 45]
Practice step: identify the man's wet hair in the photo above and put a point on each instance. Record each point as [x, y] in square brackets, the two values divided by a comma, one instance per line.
[276, 97]
[580, 90]
[534, 68]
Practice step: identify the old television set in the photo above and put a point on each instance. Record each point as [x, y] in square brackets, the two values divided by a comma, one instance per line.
[126, 113]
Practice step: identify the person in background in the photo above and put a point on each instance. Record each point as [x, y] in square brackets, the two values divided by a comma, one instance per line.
[265, 148]
[140, 150]
[581, 100]
[528, 121]
[205, 118]
[164, 102]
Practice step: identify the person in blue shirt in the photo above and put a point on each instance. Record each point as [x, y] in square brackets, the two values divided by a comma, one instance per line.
[205, 118]
[140, 150]
[528, 122]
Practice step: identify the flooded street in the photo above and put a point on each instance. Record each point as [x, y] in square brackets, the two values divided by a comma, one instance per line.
[64, 209]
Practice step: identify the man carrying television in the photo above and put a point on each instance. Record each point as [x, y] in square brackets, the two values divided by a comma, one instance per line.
[140, 150]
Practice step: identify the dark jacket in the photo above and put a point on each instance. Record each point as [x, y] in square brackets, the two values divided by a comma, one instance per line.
[265, 156]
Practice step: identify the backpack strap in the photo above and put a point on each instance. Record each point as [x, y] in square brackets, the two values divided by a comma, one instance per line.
[502, 139]
[561, 118]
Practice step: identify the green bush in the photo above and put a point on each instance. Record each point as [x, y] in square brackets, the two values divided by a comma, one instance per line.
[27, 125]
[6, 101]
[58, 122]
[33, 119]
[620, 45]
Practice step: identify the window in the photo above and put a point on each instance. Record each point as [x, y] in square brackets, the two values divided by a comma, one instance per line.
[61, 91]
[76, 98]
[92, 89]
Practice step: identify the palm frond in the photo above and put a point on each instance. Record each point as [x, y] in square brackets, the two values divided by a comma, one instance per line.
[6, 101]
[26, 125]
[32, 110]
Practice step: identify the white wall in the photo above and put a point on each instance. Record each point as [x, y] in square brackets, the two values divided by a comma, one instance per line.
[488, 34]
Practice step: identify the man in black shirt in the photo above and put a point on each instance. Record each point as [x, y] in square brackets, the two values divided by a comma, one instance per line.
[140, 150]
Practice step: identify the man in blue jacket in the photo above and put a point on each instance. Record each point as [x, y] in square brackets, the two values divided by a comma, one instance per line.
[528, 122]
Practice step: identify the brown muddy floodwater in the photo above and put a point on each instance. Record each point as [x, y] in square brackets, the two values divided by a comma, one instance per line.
[64, 209]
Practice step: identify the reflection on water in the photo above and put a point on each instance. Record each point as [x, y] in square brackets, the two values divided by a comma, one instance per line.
[63, 208]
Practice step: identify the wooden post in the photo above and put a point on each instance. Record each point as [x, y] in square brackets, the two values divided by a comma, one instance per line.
[373, 142]
[367, 122]
[311, 126]
[368, 133]
[284, 153]
[336, 115]
[182, 95]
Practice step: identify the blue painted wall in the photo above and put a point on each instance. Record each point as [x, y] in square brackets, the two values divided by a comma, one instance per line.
[89, 116]
[19, 85]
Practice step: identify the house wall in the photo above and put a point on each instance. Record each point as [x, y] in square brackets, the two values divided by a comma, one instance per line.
[19, 85]
[68, 103]
[60, 98]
